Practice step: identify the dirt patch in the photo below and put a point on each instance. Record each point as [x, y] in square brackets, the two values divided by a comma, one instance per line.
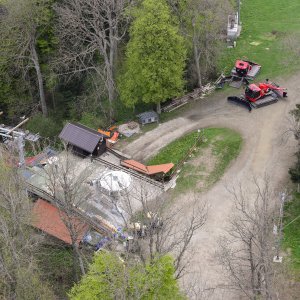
[204, 163]
[205, 160]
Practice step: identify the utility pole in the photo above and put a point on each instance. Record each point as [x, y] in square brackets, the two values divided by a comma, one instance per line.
[18, 137]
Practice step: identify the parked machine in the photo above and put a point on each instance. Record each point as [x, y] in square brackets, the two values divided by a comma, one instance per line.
[242, 72]
[260, 95]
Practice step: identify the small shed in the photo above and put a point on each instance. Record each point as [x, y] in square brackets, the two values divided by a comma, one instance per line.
[148, 117]
[83, 140]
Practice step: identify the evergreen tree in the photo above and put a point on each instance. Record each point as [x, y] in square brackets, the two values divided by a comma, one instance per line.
[155, 56]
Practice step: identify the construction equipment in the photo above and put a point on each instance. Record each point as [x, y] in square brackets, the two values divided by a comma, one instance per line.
[260, 95]
[243, 71]
[112, 135]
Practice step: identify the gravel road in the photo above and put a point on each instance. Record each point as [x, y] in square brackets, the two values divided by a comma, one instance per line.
[264, 151]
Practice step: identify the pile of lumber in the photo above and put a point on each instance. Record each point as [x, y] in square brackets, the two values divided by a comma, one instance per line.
[198, 93]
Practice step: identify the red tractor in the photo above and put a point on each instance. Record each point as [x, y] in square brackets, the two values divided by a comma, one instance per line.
[260, 95]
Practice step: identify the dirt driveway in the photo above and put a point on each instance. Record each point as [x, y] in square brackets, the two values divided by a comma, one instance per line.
[263, 152]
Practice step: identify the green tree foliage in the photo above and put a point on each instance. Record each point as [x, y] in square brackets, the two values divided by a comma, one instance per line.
[203, 23]
[24, 31]
[155, 56]
[110, 277]
[295, 171]
[46, 127]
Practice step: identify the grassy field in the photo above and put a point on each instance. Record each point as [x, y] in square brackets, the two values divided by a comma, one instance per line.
[291, 242]
[220, 146]
[268, 25]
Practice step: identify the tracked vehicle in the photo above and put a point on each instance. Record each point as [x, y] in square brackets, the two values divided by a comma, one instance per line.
[260, 95]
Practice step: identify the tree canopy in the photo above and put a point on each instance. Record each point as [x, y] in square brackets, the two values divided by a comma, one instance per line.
[110, 277]
[155, 56]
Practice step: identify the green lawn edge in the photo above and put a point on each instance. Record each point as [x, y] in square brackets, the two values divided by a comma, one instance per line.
[291, 239]
[225, 143]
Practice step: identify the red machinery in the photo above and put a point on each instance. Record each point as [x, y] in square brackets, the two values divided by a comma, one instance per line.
[260, 95]
[243, 71]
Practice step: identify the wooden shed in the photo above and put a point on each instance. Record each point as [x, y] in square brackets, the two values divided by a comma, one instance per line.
[83, 140]
[148, 117]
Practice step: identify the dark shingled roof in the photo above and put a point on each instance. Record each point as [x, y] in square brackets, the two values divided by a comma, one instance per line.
[81, 136]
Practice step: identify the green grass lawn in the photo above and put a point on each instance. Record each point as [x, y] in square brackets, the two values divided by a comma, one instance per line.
[267, 23]
[291, 241]
[225, 145]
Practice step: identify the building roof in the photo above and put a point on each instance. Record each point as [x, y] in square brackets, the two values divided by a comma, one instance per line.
[48, 218]
[147, 115]
[81, 136]
[40, 158]
[164, 168]
[149, 170]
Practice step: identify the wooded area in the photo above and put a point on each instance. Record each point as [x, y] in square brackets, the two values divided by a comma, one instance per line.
[101, 61]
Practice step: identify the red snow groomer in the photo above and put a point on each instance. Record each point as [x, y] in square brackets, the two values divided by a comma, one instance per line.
[242, 72]
[246, 69]
[260, 95]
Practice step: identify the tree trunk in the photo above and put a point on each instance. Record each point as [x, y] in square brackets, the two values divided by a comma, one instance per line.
[35, 60]
[252, 267]
[109, 82]
[197, 63]
[78, 258]
[158, 108]
[111, 92]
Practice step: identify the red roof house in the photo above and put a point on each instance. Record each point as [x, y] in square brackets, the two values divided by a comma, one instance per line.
[48, 218]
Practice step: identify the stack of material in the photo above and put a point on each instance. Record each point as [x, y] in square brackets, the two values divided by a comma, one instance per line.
[129, 129]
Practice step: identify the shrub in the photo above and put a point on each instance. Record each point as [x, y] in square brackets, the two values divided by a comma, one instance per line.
[46, 127]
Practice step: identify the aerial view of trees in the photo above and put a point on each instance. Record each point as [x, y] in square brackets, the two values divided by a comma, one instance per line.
[101, 63]
[155, 56]
[81, 60]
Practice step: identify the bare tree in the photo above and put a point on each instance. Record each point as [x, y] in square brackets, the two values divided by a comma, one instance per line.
[246, 250]
[19, 273]
[204, 24]
[89, 32]
[68, 187]
[20, 29]
[155, 226]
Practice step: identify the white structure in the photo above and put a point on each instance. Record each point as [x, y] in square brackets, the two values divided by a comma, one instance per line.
[114, 182]
[233, 29]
